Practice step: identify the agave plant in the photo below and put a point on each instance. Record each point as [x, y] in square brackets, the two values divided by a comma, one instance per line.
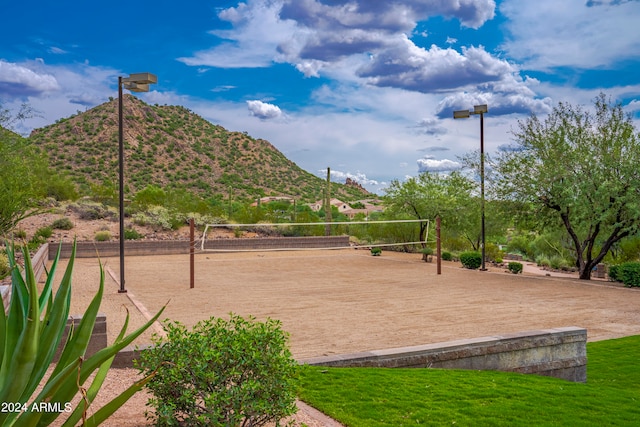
[30, 333]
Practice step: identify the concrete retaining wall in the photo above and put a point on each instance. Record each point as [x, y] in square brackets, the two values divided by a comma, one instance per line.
[174, 247]
[560, 353]
[39, 262]
[98, 339]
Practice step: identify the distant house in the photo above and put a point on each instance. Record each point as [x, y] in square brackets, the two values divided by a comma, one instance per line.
[346, 209]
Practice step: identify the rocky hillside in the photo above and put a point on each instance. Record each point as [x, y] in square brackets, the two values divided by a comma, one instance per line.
[173, 148]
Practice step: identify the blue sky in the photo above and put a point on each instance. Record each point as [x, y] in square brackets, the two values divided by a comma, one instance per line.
[365, 87]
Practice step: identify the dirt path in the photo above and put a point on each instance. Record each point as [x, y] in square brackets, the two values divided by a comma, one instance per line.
[349, 301]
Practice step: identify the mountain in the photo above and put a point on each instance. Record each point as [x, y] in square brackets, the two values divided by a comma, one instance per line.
[173, 148]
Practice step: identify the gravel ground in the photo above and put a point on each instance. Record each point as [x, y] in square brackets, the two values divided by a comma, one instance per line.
[347, 301]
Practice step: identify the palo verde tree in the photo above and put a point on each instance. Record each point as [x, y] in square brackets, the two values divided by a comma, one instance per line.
[577, 169]
[18, 191]
[430, 195]
[25, 176]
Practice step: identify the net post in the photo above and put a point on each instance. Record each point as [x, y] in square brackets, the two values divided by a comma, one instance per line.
[438, 247]
[192, 246]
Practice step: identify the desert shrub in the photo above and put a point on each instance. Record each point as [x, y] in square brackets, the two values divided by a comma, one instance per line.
[629, 249]
[103, 236]
[201, 220]
[40, 236]
[376, 251]
[447, 256]
[60, 188]
[221, 373]
[132, 234]
[543, 261]
[521, 245]
[493, 252]
[515, 267]
[20, 234]
[44, 232]
[558, 263]
[471, 259]
[159, 217]
[627, 273]
[92, 211]
[4, 266]
[62, 224]
[427, 253]
[150, 195]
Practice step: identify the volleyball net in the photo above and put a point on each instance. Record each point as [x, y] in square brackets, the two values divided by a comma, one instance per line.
[404, 234]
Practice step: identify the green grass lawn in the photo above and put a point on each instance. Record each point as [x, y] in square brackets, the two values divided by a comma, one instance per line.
[370, 397]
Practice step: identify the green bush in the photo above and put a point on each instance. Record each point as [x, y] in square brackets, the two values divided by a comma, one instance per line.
[44, 232]
[627, 273]
[62, 224]
[31, 332]
[60, 188]
[493, 252]
[558, 263]
[614, 273]
[376, 251]
[39, 237]
[132, 234]
[221, 373]
[515, 267]
[447, 256]
[427, 253]
[471, 259]
[150, 195]
[103, 236]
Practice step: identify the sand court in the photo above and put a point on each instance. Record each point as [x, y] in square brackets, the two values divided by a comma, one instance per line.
[346, 301]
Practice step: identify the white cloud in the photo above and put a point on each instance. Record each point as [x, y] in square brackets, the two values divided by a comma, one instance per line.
[431, 126]
[365, 43]
[57, 51]
[54, 91]
[252, 42]
[571, 33]
[633, 106]
[430, 164]
[17, 80]
[505, 101]
[359, 177]
[263, 110]
[407, 66]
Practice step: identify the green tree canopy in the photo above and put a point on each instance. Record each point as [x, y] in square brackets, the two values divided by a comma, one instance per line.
[25, 177]
[19, 193]
[577, 169]
[430, 195]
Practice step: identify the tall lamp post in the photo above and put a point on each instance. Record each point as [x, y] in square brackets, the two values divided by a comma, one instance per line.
[138, 82]
[464, 114]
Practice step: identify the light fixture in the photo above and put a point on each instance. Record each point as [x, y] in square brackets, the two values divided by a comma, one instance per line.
[138, 82]
[463, 114]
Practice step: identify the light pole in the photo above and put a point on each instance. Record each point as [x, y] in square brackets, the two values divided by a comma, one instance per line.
[464, 114]
[138, 82]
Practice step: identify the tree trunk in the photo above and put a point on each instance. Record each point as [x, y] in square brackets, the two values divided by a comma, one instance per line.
[585, 272]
